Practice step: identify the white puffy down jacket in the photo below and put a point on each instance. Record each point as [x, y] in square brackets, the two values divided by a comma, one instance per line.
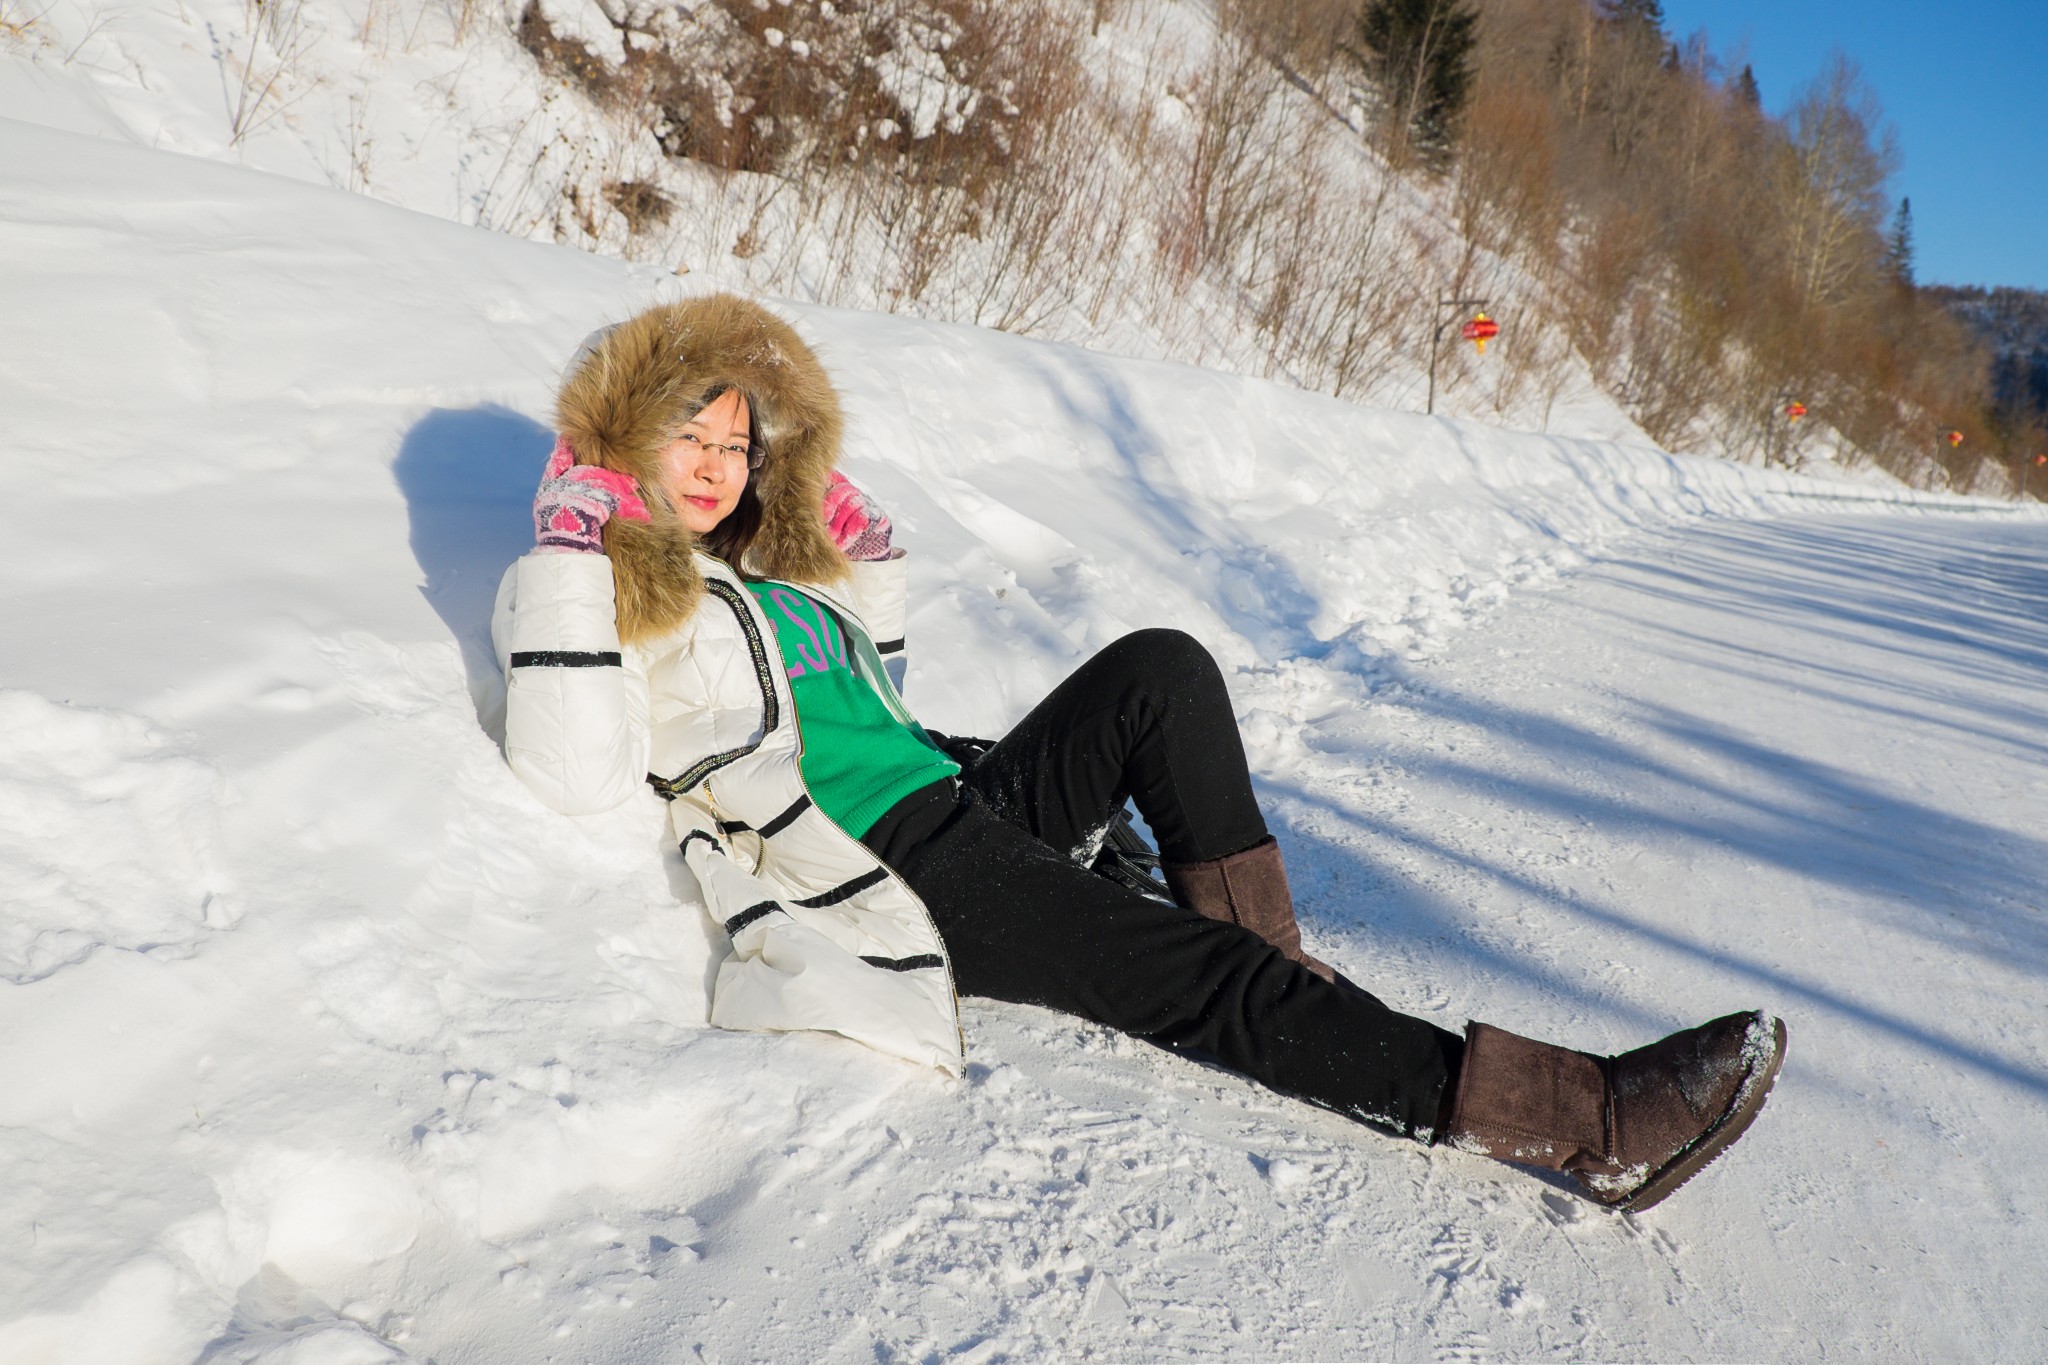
[824, 935]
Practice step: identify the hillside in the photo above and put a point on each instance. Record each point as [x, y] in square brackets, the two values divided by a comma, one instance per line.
[1150, 178]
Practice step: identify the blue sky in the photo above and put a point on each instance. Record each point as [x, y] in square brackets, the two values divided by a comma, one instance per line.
[1962, 82]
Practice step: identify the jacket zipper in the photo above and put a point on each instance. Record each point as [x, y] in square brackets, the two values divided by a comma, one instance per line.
[771, 715]
[770, 701]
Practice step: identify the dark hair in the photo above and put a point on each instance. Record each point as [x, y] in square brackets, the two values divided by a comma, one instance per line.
[732, 537]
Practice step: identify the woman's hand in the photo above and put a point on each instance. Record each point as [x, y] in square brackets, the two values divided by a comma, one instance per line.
[576, 500]
[858, 527]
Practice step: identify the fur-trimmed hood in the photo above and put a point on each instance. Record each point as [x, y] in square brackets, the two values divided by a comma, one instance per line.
[630, 393]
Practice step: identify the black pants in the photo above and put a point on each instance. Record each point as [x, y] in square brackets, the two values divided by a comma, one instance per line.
[993, 857]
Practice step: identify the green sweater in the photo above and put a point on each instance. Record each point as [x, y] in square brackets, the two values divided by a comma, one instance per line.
[861, 754]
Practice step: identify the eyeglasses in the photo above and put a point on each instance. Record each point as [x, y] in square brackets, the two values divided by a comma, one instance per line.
[754, 455]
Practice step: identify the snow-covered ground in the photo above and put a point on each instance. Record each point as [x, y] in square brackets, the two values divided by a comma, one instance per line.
[434, 105]
[322, 1042]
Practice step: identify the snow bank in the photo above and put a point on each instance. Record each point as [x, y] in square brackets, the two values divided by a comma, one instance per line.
[322, 1041]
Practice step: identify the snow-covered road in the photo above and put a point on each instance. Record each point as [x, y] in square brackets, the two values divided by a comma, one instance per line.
[1796, 764]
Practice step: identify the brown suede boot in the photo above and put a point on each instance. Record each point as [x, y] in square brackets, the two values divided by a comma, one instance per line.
[1248, 889]
[1630, 1129]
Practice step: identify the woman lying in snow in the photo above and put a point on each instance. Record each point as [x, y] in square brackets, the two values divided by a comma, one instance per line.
[690, 619]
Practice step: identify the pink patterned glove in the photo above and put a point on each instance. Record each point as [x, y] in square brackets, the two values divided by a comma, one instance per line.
[859, 528]
[575, 501]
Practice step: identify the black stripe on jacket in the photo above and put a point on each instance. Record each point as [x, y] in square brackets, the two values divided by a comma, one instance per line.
[748, 916]
[773, 827]
[787, 818]
[567, 658]
[904, 964]
[846, 891]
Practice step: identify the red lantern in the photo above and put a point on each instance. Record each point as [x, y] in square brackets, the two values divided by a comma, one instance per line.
[1954, 438]
[1479, 331]
[1794, 411]
[2041, 459]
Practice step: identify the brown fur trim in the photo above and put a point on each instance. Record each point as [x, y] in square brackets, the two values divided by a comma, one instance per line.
[637, 387]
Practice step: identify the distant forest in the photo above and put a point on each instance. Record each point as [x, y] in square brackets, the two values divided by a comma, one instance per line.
[2013, 323]
[1713, 258]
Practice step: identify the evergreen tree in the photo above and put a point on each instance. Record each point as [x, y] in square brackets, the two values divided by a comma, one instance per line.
[1898, 252]
[1419, 54]
[1636, 17]
[1746, 90]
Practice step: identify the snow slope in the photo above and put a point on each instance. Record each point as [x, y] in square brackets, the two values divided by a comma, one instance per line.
[322, 1042]
[437, 107]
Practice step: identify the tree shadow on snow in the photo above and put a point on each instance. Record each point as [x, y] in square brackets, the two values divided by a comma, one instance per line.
[1897, 592]
[468, 476]
[1405, 924]
[1255, 591]
[1872, 590]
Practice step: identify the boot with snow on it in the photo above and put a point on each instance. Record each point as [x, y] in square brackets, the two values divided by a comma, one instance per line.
[1248, 889]
[1629, 1129]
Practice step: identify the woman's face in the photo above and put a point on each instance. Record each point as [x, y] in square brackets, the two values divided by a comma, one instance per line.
[706, 465]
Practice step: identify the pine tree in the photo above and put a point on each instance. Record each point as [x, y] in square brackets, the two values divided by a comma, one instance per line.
[1636, 17]
[1898, 254]
[1419, 54]
[1746, 90]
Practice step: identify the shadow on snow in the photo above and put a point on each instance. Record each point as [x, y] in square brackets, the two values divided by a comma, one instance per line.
[1904, 592]
[468, 476]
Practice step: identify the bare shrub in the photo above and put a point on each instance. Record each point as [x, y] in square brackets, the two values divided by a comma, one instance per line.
[1233, 187]
[462, 17]
[783, 89]
[919, 124]
[1527, 365]
[1607, 262]
[1305, 37]
[360, 144]
[641, 204]
[19, 20]
[1671, 368]
[528, 185]
[568, 59]
[1508, 194]
[1354, 327]
[1063, 212]
[276, 39]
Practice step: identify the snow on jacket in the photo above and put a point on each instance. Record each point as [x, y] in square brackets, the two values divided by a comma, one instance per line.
[652, 663]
